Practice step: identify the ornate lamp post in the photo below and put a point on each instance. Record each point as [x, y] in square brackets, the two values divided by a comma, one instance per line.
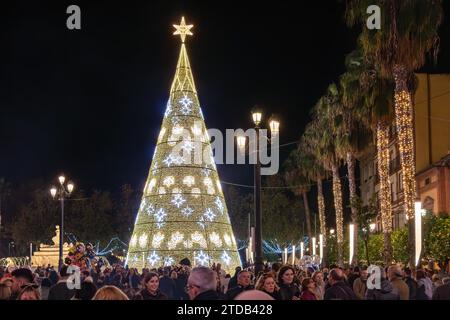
[61, 192]
[274, 126]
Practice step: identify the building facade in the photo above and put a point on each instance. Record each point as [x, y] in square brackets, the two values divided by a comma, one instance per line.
[432, 143]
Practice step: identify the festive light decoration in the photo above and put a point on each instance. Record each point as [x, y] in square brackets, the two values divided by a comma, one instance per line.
[405, 133]
[313, 246]
[321, 208]
[186, 195]
[293, 255]
[351, 242]
[321, 238]
[418, 230]
[383, 172]
[302, 249]
[337, 193]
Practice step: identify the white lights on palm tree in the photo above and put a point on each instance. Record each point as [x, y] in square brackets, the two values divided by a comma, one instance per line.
[418, 230]
[351, 242]
[302, 249]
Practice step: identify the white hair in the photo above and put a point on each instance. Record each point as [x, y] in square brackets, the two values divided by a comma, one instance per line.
[204, 278]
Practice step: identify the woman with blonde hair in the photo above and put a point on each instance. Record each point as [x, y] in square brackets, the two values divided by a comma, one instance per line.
[110, 293]
[267, 284]
[29, 292]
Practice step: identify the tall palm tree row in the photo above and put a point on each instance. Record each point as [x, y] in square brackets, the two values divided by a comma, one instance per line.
[409, 31]
[299, 184]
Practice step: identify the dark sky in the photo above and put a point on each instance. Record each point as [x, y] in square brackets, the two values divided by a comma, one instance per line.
[90, 102]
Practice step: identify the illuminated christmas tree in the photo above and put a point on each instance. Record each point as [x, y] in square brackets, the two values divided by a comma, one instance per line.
[183, 213]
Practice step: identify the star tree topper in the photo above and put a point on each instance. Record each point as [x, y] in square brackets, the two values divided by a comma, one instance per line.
[183, 29]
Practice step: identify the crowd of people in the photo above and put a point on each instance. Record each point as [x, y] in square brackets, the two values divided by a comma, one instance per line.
[180, 282]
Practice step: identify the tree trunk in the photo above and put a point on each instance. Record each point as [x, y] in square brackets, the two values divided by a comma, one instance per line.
[405, 131]
[385, 188]
[353, 195]
[308, 219]
[337, 194]
[322, 221]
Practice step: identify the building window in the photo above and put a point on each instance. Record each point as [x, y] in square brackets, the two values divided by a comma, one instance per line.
[427, 181]
[400, 182]
[392, 193]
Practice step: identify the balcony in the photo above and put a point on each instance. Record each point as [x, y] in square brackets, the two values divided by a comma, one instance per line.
[394, 165]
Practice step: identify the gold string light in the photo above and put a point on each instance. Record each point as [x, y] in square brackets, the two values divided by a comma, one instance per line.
[337, 192]
[383, 172]
[405, 133]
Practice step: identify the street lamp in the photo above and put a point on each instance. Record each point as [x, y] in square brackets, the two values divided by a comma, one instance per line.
[60, 193]
[274, 126]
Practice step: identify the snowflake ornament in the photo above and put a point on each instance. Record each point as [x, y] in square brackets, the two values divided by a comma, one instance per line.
[153, 258]
[226, 258]
[202, 258]
[188, 211]
[178, 200]
[209, 215]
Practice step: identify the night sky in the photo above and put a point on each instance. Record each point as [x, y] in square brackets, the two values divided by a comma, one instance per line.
[90, 102]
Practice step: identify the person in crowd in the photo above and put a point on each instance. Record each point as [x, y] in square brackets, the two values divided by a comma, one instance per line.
[46, 284]
[443, 291]
[253, 295]
[201, 284]
[396, 279]
[29, 292]
[386, 291]
[436, 281]
[133, 279]
[233, 280]
[308, 289]
[181, 282]
[338, 289]
[151, 290]
[288, 288]
[86, 292]
[242, 285]
[267, 284]
[411, 283]
[167, 284]
[360, 284]
[319, 289]
[60, 291]
[5, 291]
[226, 282]
[109, 293]
[354, 274]
[424, 286]
[20, 278]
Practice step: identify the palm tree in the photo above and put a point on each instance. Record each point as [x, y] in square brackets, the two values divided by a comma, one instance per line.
[316, 172]
[324, 115]
[372, 100]
[352, 137]
[295, 177]
[409, 31]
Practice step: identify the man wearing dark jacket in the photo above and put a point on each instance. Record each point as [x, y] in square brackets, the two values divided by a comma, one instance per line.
[202, 284]
[60, 291]
[338, 290]
[243, 285]
[411, 283]
[167, 285]
[443, 292]
[233, 280]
